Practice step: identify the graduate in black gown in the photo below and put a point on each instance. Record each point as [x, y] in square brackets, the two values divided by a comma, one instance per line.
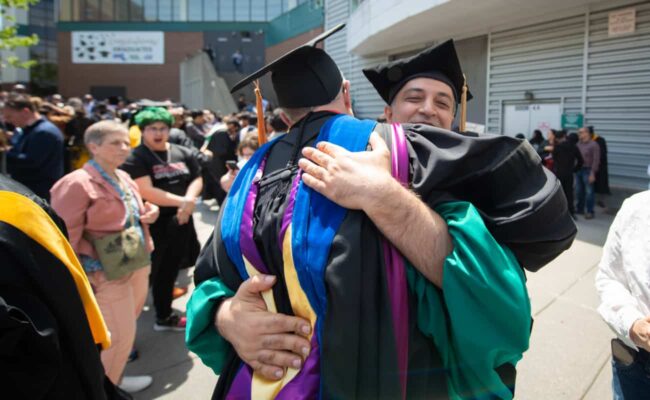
[51, 329]
[380, 326]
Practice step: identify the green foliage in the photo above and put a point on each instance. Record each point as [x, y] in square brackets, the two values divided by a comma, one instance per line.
[9, 39]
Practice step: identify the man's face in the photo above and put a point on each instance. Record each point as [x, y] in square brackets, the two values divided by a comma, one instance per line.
[232, 128]
[155, 136]
[583, 135]
[423, 101]
[18, 118]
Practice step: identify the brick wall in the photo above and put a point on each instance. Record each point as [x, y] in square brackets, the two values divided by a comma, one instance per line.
[154, 82]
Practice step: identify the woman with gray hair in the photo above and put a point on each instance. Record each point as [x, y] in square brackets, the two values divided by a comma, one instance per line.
[108, 228]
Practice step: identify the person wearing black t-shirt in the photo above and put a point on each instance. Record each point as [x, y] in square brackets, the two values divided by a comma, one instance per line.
[169, 176]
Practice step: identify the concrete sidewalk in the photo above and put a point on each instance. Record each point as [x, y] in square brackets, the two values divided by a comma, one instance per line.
[569, 355]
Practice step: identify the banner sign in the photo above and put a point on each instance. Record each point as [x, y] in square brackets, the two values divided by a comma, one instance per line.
[106, 47]
[572, 121]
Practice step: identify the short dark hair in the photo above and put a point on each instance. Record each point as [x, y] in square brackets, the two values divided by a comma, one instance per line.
[233, 121]
[244, 115]
[277, 123]
[19, 101]
[196, 113]
[591, 129]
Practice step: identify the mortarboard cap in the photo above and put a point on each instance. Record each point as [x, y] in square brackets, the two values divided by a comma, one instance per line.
[439, 63]
[304, 77]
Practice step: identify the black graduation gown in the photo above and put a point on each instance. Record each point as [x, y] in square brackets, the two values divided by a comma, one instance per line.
[358, 300]
[46, 346]
[223, 149]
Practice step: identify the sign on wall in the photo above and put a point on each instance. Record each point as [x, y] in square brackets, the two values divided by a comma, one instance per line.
[105, 47]
[573, 120]
[622, 22]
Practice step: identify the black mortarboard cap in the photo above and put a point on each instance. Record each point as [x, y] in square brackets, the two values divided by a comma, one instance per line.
[439, 63]
[304, 77]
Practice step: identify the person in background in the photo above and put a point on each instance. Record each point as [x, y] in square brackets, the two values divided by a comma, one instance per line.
[622, 283]
[247, 121]
[177, 133]
[245, 151]
[547, 149]
[195, 129]
[567, 161]
[169, 176]
[100, 200]
[241, 102]
[276, 124]
[586, 177]
[601, 185]
[36, 158]
[76, 152]
[89, 103]
[520, 136]
[223, 145]
[537, 141]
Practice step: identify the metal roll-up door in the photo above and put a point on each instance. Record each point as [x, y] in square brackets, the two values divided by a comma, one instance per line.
[618, 95]
[540, 65]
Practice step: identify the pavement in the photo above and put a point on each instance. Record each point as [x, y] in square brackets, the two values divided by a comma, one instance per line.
[569, 356]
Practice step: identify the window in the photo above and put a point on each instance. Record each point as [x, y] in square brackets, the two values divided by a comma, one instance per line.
[195, 10]
[90, 10]
[258, 10]
[107, 9]
[242, 10]
[150, 10]
[122, 10]
[273, 9]
[227, 10]
[164, 10]
[137, 10]
[210, 10]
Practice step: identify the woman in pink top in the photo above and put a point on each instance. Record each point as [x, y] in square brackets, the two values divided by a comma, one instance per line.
[93, 203]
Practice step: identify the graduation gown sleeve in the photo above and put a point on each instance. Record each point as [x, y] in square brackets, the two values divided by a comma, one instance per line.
[520, 201]
[481, 319]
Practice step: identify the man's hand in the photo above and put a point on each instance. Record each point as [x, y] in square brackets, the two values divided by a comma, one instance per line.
[592, 178]
[351, 180]
[640, 333]
[266, 341]
[185, 211]
[151, 212]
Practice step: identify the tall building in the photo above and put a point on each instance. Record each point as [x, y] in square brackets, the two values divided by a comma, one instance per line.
[535, 64]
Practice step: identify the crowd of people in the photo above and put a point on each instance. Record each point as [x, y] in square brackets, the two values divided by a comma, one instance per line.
[110, 170]
[579, 160]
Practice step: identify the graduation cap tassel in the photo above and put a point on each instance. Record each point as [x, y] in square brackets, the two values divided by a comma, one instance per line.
[463, 106]
[261, 123]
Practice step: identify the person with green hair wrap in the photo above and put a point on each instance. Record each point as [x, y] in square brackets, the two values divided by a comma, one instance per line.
[169, 176]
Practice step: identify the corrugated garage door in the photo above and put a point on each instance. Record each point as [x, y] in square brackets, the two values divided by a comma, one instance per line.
[544, 59]
[618, 95]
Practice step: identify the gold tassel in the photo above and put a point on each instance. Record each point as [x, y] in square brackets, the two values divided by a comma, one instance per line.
[463, 106]
[261, 123]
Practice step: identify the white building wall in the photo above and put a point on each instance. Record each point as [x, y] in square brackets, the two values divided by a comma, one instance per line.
[366, 102]
[545, 59]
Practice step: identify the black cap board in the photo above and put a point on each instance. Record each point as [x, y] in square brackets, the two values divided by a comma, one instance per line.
[304, 77]
[440, 63]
